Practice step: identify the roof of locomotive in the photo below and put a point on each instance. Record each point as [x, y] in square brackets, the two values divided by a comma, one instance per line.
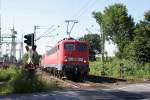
[71, 40]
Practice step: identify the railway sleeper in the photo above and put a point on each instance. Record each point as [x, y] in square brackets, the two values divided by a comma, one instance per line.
[74, 74]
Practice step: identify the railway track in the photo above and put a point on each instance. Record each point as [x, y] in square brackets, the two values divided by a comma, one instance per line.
[90, 81]
[61, 82]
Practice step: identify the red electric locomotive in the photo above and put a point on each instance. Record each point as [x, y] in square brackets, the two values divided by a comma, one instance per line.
[69, 57]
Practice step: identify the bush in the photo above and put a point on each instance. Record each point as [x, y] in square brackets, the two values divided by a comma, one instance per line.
[24, 82]
[133, 71]
[21, 81]
[7, 74]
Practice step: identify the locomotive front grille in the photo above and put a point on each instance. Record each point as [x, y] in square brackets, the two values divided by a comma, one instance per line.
[74, 67]
[75, 59]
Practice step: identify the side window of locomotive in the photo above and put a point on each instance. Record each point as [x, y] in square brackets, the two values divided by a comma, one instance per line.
[53, 50]
[81, 47]
[43, 56]
[69, 46]
[58, 47]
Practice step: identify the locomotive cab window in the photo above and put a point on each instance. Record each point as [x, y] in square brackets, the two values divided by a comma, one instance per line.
[69, 46]
[81, 47]
[53, 50]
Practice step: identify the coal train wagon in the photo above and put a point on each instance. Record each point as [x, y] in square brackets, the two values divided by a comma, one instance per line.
[68, 58]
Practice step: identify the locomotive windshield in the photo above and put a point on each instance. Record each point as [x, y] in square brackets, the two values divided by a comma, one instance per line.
[78, 47]
[81, 47]
[69, 47]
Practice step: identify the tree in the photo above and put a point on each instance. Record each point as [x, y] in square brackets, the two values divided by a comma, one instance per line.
[117, 25]
[95, 44]
[141, 43]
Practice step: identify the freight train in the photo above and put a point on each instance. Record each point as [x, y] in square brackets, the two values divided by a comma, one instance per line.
[69, 57]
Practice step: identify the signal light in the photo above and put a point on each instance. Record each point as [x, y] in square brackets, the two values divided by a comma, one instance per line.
[29, 39]
[84, 61]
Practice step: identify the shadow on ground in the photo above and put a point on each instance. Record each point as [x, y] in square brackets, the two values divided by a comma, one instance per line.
[81, 95]
[103, 79]
[130, 95]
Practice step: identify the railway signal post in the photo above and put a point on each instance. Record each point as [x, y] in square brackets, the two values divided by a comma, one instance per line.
[29, 39]
[32, 61]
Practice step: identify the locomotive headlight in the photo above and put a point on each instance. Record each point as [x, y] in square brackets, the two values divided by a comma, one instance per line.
[84, 61]
[66, 59]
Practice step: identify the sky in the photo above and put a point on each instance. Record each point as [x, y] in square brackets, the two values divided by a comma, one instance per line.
[24, 14]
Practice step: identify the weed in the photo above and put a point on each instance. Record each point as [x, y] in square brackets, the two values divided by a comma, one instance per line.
[132, 70]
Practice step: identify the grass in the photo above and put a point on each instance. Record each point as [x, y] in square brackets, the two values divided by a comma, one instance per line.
[6, 74]
[20, 81]
[95, 68]
[133, 71]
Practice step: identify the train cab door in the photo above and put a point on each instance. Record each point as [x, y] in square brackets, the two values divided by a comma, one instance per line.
[58, 58]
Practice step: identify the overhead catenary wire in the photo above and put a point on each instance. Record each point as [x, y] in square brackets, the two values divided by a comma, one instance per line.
[88, 5]
[46, 32]
[86, 9]
[82, 8]
[80, 13]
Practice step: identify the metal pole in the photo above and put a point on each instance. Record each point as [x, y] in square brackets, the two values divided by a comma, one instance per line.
[35, 27]
[21, 49]
[68, 21]
[72, 27]
[0, 33]
[67, 26]
[103, 50]
[13, 44]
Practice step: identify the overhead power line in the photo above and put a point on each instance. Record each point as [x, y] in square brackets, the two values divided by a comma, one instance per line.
[46, 32]
[86, 8]
[82, 8]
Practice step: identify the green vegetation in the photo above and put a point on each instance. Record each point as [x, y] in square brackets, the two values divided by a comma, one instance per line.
[132, 40]
[95, 68]
[94, 43]
[6, 74]
[132, 71]
[117, 25]
[21, 81]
